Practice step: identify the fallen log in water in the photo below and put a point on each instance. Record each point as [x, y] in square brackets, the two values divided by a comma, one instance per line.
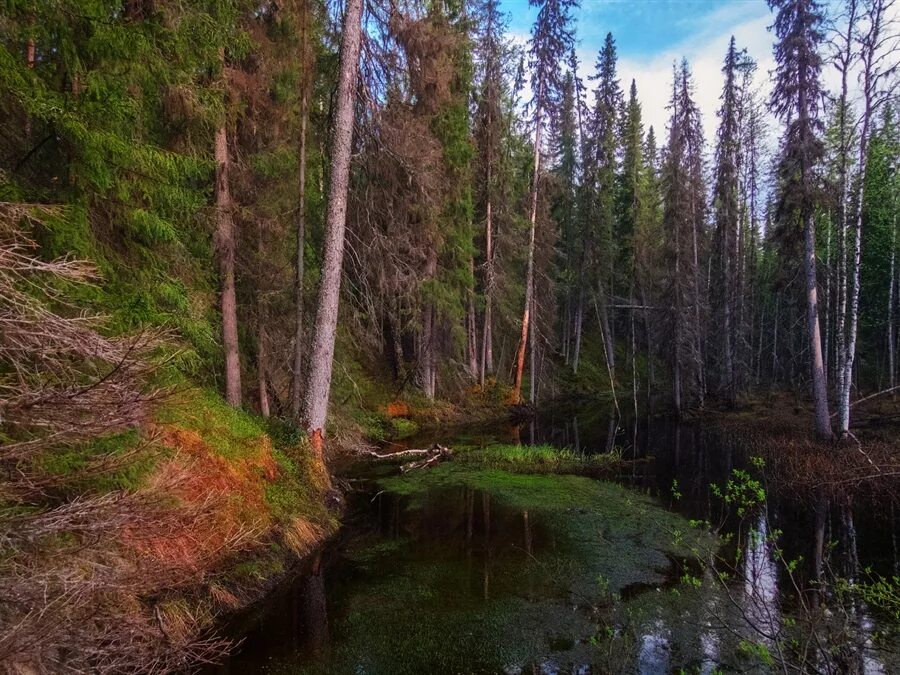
[429, 456]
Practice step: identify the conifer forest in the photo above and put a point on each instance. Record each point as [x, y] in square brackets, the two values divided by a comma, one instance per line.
[471, 336]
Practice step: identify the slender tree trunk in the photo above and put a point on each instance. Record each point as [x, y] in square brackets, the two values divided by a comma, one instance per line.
[698, 335]
[826, 336]
[487, 350]
[472, 327]
[529, 281]
[427, 359]
[845, 59]
[225, 244]
[299, 341]
[819, 383]
[532, 344]
[892, 377]
[262, 354]
[609, 346]
[869, 57]
[319, 380]
[579, 324]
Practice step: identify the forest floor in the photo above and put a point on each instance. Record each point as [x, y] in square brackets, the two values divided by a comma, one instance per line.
[778, 428]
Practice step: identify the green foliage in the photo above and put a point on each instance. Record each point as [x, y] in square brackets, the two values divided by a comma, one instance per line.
[540, 459]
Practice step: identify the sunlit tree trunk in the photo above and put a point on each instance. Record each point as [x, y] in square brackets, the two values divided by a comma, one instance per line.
[322, 354]
[529, 279]
[819, 383]
[871, 44]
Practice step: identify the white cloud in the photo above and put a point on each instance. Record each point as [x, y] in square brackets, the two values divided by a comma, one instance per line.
[705, 51]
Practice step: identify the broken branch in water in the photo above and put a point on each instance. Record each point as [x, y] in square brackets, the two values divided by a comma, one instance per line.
[433, 455]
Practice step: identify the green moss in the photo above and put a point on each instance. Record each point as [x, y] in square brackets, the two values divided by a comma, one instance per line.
[539, 459]
[403, 428]
[296, 491]
[230, 432]
[491, 571]
[76, 462]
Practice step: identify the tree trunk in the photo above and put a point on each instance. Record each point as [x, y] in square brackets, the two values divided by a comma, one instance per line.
[472, 327]
[299, 342]
[487, 351]
[319, 379]
[892, 378]
[579, 326]
[529, 280]
[869, 57]
[262, 354]
[225, 243]
[819, 384]
[532, 370]
[427, 360]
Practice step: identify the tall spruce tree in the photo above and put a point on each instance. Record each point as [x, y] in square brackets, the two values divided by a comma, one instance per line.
[795, 100]
[603, 133]
[726, 234]
[552, 39]
[683, 220]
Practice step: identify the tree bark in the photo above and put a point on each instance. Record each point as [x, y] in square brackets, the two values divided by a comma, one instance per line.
[225, 243]
[472, 327]
[299, 342]
[870, 45]
[321, 361]
[819, 383]
[262, 354]
[529, 280]
[892, 377]
[427, 360]
[579, 325]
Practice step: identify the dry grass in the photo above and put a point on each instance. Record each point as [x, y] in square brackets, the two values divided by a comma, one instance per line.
[865, 466]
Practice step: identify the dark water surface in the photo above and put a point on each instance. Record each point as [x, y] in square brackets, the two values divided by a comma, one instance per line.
[494, 573]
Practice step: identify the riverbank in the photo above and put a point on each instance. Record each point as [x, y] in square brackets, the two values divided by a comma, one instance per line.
[778, 428]
[170, 527]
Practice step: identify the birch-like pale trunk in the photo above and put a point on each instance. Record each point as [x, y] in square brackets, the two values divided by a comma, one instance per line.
[529, 280]
[579, 321]
[225, 243]
[870, 46]
[817, 365]
[844, 61]
[321, 360]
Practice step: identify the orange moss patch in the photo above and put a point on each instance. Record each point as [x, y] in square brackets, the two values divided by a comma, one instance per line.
[397, 408]
[220, 504]
[302, 536]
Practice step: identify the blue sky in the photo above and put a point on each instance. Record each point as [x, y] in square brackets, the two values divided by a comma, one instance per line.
[652, 34]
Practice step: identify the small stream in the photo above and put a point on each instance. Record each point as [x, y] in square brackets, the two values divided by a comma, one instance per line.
[488, 572]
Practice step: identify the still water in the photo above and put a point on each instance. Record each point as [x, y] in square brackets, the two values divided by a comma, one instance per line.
[488, 572]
